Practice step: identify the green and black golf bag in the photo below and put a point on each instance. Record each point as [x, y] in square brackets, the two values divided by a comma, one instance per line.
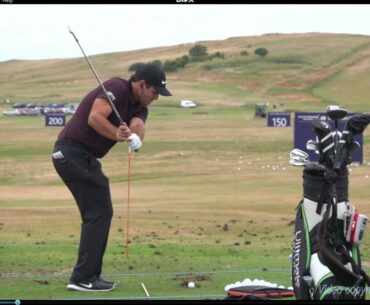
[326, 260]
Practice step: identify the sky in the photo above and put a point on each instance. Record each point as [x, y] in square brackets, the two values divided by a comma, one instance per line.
[41, 31]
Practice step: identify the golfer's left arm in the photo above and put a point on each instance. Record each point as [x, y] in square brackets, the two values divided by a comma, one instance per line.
[137, 126]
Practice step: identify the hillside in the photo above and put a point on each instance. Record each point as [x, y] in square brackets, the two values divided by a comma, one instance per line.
[302, 71]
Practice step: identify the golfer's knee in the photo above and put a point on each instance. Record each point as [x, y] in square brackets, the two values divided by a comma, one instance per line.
[107, 214]
[97, 216]
[110, 213]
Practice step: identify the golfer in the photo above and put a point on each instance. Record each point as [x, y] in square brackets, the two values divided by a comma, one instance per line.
[89, 135]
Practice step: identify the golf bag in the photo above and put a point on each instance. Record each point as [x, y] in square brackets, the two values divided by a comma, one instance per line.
[325, 265]
[326, 260]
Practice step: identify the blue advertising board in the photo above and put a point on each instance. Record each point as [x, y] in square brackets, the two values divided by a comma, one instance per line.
[55, 120]
[303, 131]
[278, 119]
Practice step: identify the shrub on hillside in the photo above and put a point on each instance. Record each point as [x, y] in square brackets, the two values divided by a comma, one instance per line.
[261, 52]
[156, 62]
[170, 66]
[182, 61]
[217, 55]
[198, 53]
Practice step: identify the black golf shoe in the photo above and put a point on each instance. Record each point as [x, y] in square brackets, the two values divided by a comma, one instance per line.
[108, 282]
[96, 285]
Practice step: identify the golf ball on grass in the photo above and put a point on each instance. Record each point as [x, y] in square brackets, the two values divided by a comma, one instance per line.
[191, 285]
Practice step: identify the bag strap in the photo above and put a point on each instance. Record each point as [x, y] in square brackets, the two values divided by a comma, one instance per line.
[355, 266]
[333, 263]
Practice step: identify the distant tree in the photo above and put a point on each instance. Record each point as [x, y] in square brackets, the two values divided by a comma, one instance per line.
[261, 52]
[182, 61]
[170, 66]
[198, 53]
[244, 53]
[217, 55]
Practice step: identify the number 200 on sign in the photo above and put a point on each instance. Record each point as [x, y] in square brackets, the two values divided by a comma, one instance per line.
[55, 121]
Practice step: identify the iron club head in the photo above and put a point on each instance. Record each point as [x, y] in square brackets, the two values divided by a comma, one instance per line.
[298, 157]
[355, 146]
[311, 145]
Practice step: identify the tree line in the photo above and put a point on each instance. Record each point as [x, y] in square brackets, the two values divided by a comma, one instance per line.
[198, 53]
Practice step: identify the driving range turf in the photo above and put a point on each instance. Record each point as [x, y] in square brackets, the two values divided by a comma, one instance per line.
[213, 201]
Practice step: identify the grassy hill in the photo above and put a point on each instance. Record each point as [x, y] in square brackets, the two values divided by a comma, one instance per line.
[303, 71]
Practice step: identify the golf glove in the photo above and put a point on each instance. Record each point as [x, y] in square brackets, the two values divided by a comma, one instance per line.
[135, 142]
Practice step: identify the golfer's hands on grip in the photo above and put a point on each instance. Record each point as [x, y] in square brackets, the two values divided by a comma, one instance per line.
[124, 134]
[134, 142]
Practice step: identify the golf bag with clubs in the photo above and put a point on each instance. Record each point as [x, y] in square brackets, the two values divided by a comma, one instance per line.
[326, 260]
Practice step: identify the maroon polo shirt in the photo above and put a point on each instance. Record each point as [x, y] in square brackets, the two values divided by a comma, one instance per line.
[78, 129]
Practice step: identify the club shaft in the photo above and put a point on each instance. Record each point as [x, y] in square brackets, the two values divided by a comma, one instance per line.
[99, 81]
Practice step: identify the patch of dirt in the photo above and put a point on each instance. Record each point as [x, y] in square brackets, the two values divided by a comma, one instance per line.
[41, 282]
[34, 192]
[195, 280]
[200, 112]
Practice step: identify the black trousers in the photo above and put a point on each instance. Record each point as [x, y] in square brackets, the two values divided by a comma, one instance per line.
[82, 174]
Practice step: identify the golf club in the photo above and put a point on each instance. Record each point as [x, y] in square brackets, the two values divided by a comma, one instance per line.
[311, 145]
[355, 146]
[325, 142]
[109, 94]
[336, 113]
[298, 157]
[355, 125]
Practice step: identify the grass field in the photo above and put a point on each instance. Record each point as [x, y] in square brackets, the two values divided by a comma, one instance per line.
[213, 196]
